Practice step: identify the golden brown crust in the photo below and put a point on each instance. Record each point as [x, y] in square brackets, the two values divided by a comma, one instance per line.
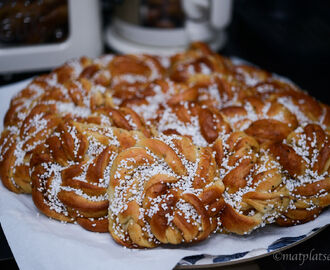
[70, 172]
[191, 144]
[305, 156]
[254, 190]
[155, 207]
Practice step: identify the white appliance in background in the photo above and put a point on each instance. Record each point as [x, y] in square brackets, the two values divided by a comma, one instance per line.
[131, 31]
[83, 37]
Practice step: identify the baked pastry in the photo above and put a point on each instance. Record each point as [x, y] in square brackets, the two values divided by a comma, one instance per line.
[257, 113]
[255, 193]
[162, 150]
[75, 91]
[164, 190]
[305, 158]
[70, 172]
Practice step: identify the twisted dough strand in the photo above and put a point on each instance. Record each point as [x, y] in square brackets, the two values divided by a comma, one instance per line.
[305, 156]
[70, 172]
[254, 191]
[163, 190]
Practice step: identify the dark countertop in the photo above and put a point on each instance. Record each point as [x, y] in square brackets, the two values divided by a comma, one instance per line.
[291, 38]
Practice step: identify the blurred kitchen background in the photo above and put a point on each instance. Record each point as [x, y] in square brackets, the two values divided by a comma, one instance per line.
[288, 37]
[291, 38]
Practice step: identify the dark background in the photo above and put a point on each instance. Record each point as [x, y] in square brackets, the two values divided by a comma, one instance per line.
[288, 37]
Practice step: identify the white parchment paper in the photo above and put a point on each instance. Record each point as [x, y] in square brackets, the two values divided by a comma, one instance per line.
[38, 242]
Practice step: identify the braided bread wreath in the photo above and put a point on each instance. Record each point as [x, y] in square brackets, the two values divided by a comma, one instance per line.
[167, 150]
